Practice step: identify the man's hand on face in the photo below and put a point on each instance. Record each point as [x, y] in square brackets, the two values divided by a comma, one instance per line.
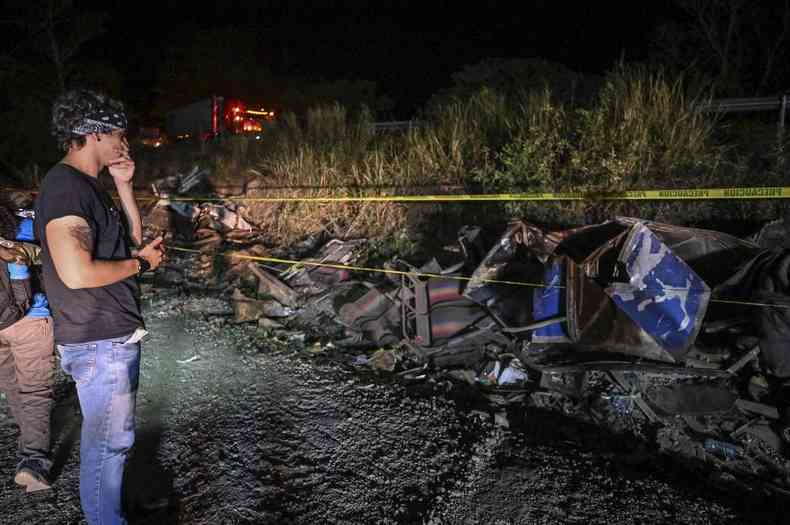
[121, 168]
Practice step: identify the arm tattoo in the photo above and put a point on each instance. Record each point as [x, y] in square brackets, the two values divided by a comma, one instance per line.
[84, 236]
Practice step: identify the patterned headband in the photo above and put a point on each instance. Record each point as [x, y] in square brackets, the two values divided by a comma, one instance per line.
[102, 121]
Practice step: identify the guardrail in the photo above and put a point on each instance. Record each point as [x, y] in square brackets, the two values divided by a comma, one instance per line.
[735, 105]
[727, 105]
[722, 105]
[395, 125]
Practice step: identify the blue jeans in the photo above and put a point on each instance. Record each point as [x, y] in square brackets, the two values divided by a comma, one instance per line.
[106, 373]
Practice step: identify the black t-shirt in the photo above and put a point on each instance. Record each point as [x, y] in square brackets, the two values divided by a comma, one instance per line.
[86, 314]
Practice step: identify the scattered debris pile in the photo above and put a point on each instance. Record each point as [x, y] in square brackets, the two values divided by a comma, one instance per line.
[678, 335]
[206, 226]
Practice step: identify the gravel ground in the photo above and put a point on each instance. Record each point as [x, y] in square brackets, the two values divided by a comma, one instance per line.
[236, 428]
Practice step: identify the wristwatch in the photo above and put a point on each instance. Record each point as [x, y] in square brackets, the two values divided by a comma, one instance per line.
[142, 265]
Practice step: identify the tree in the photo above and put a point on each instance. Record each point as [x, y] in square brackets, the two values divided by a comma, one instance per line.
[740, 44]
[39, 57]
[57, 31]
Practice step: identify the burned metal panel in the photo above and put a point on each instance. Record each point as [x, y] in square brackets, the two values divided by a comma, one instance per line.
[663, 295]
[596, 323]
[766, 280]
[493, 266]
[376, 315]
[774, 235]
[714, 256]
[517, 257]
[520, 238]
[309, 279]
[664, 298]
[512, 305]
[587, 243]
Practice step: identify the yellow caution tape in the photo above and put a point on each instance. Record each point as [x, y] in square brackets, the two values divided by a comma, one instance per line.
[772, 192]
[778, 192]
[430, 275]
[361, 268]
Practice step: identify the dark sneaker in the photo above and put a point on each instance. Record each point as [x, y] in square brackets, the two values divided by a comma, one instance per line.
[31, 475]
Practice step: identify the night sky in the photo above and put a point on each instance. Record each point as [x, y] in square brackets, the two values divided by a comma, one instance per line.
[410, 49]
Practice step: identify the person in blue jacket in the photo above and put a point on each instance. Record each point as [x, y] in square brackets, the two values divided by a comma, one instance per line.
[27, 364]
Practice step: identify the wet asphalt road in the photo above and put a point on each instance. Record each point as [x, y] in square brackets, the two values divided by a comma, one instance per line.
[235, 428]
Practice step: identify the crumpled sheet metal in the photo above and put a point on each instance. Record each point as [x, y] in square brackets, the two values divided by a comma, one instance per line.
[492, 267]
[175, 217]
[312, 280]
[775, 234]
[596, 323]
[663, 294]
[586, 254]
[587, 244]
[623, 286]
[376, 315]
[714, 256]
[227, 219]
[766, 279]
[658, 311]
[270, 285]
[247, 309]
[180, 183]
[540, 244]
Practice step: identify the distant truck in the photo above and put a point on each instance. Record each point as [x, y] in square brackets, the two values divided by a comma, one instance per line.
[216, 116]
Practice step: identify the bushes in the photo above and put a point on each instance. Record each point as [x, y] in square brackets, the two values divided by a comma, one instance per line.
[642, 132]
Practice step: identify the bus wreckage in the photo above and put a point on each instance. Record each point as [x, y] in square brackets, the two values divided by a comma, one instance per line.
[676, 333]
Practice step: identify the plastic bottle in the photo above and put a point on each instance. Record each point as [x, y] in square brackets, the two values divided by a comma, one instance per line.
[721, 448]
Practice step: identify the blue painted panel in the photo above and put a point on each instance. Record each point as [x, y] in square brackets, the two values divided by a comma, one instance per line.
[549, 302]
[663, 296]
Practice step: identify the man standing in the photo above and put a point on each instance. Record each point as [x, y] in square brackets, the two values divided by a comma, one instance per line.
[90, 265]
[27, 364]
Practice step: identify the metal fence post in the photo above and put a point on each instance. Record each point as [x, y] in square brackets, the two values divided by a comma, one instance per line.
[780, 142]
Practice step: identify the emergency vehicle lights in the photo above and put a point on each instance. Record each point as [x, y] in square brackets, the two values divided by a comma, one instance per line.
[262, 112]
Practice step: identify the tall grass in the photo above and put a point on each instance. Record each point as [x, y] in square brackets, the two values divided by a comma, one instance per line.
[333, 153]
[643, 132]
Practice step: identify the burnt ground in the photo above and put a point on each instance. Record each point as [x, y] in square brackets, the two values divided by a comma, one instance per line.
[238, 428]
